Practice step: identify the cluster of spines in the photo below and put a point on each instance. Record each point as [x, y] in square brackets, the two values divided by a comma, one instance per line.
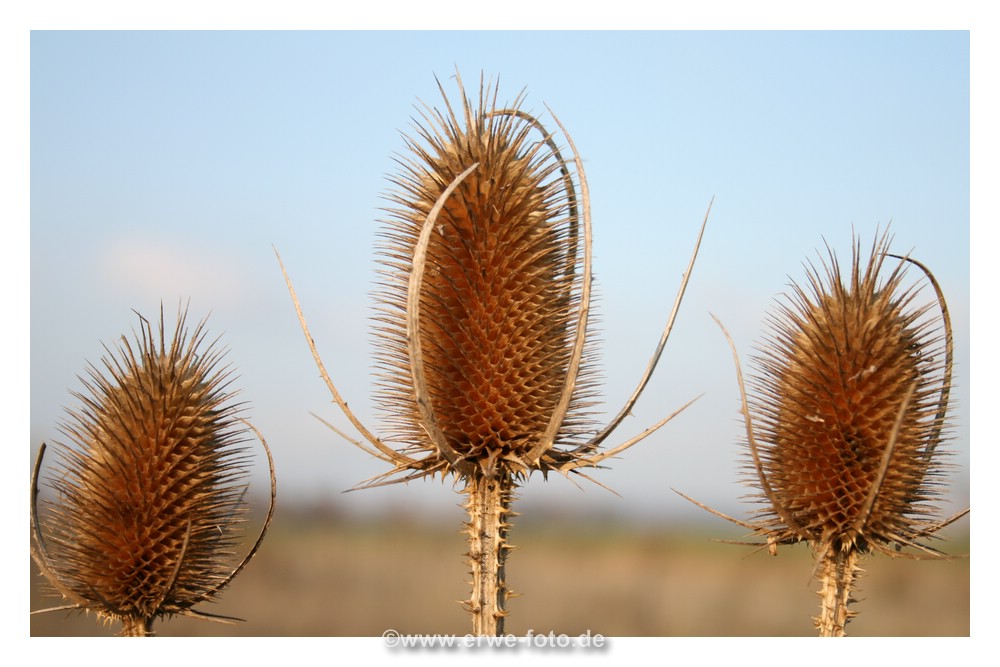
[848, 404]
[851, 402]
[149, 488]
[499, 291]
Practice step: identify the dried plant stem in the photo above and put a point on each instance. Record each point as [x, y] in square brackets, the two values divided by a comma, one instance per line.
[837, 573]
[488, 505]
[137, 627]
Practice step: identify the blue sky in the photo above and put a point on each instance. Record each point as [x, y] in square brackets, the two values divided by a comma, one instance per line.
[165, 166]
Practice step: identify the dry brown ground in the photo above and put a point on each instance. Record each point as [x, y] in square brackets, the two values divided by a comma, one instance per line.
[323, 576]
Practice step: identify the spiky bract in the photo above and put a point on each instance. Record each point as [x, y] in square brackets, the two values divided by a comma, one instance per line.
[149, 487]
[499, 293]
[848, 455]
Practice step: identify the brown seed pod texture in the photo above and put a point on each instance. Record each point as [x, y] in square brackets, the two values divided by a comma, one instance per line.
[833, 380]
[499, 292]
[149, 487]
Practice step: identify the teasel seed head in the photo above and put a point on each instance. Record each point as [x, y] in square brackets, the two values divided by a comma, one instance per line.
[485, 364]
[849, 406]
[501, 271]
[484, 304]
[149, 488]
[850, 401]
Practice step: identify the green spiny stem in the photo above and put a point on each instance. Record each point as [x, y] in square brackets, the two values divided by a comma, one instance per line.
[488, 505]
[837, 572]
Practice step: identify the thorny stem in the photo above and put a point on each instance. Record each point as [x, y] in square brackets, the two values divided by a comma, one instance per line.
[488, 505]
[133, 626]
[837, 572]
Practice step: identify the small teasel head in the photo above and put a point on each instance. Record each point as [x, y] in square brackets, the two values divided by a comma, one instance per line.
[149, 485]
[848, 408]
[849, 405]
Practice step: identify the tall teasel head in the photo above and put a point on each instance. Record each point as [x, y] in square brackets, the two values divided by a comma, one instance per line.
[149, 489]
[484, 305]
[484, 302]
[498, 268]
[848, 407]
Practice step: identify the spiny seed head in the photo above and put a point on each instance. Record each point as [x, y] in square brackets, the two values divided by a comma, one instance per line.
[500, 287]
[149, 487]
[832, 381]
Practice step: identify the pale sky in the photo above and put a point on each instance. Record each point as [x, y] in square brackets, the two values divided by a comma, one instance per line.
[165, 166]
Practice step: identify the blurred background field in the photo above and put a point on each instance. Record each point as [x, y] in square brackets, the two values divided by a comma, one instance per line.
[322, 574]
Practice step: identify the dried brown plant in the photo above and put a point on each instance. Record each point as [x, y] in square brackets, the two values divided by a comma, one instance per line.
[149, 489]
[484, 304]
[850, 399]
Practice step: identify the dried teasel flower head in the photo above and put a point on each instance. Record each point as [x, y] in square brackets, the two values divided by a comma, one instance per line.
[500, 269]
[149, 489]
[485, 369]
[851, 400]
[484, 303]
[848, 408]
